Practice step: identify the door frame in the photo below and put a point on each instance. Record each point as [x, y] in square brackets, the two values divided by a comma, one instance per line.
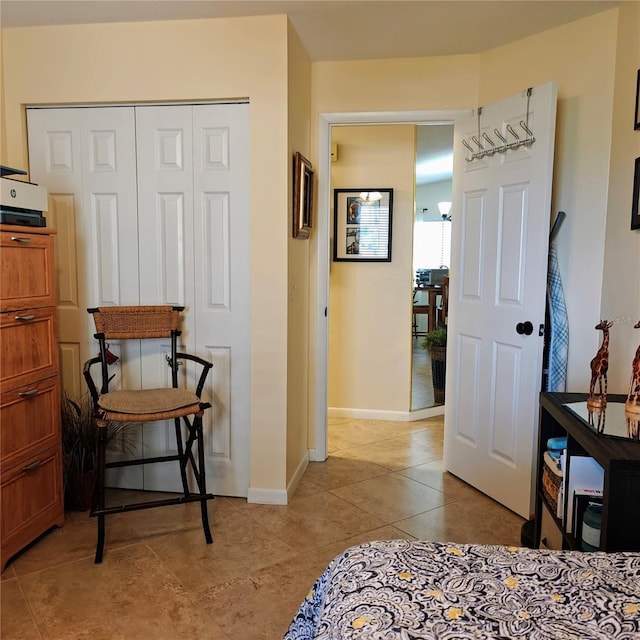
[325, 123]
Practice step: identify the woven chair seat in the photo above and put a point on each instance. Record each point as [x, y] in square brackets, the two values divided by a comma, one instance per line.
[146, 405]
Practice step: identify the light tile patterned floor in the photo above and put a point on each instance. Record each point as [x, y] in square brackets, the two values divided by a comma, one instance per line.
[159, 580]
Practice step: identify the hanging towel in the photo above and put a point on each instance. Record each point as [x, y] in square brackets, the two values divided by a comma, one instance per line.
[558, 326]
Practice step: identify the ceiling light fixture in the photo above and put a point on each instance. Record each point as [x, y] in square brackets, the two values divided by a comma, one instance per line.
[368, 197]
[445, 209]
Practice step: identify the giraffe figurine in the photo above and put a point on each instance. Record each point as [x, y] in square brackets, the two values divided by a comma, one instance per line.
[632, 404]
[599, 368]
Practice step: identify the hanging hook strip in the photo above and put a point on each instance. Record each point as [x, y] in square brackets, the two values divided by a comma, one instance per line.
[490, 147]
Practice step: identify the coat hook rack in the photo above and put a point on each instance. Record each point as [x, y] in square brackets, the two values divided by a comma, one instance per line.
[490, 147]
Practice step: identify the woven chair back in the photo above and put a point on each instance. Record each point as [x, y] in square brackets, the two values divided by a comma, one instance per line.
[140, 322]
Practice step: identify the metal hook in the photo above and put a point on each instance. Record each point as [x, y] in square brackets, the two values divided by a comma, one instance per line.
[513, 133]
[493, 149]
[475, 139]
[530, 137]
[528, 131]
[467, 145]
[497, 132]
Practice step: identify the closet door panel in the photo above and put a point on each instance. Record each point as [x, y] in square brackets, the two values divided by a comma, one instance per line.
[86, 159]
[221, 221]
[165, 204]
[165, 219]
[110, 193]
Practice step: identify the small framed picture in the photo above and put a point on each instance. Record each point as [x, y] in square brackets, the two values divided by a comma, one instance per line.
[636, 117]
[362, 225]
[635, 211]
[302, 196]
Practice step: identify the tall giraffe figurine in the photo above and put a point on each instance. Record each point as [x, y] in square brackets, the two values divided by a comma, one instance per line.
[632, 404]
[599, 368]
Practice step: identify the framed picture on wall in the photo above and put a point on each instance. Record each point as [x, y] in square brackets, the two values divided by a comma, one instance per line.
[635, 211]
[302, 196]
[362, 225]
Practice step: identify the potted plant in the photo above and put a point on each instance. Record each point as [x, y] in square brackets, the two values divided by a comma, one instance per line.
[435, 342]
[79, 449]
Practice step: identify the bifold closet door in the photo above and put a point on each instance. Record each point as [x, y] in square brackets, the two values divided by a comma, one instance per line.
[152, 207]
[86, 159]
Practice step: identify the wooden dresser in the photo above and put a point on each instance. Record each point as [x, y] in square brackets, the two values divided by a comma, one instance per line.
[31, 495]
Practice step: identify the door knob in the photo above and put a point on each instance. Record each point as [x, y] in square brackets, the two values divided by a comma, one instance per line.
[525, 328]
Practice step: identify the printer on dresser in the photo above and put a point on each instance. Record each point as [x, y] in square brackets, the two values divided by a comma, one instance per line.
[31, 493]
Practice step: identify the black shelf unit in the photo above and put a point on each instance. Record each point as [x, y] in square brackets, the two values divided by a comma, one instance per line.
[619, 458]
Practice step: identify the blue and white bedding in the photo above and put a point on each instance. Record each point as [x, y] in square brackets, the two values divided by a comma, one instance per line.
[414, 590]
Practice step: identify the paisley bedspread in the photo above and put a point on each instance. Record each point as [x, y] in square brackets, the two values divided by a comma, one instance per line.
[410, 590]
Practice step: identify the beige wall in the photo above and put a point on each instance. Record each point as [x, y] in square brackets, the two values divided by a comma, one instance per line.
[298, 269]
[621, 283]
[189, 60]
[370, 319]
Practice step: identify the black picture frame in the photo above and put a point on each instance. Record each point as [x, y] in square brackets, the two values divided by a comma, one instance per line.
[636, 117]
[362, 225]
[635, 201]
[302, 196]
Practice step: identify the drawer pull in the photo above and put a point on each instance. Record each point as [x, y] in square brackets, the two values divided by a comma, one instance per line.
[28, 394]
[31, 316]
[23, 240]
[33, 466]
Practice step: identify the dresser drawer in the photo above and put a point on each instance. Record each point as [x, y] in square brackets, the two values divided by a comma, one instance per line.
[27, 266]
[30, 419]
[28, 347]
[30, 500]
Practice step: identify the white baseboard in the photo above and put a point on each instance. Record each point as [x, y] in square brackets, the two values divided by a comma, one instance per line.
[267, 496]
[299, 472]
[373, 414]
[280, 496]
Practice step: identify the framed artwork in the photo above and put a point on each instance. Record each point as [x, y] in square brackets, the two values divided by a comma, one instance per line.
[636, 118]
[635, 212]
[302, 196]
[362, 225]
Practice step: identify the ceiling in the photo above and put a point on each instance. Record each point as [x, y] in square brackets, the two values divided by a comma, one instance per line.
[338, 30]
[345, 30]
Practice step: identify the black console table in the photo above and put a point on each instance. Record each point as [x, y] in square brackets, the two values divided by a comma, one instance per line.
[619, 457]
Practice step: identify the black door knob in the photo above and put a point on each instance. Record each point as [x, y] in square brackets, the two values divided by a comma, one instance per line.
[525, 328]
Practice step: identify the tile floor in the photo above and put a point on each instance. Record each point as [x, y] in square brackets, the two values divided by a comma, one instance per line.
[421, 378]
[159, 580]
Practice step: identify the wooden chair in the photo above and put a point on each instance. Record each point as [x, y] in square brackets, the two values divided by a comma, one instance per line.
[148, 405]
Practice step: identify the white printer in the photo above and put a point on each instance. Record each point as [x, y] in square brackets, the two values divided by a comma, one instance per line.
[21, 203]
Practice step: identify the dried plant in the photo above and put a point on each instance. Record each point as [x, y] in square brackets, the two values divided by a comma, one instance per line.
[80, 436]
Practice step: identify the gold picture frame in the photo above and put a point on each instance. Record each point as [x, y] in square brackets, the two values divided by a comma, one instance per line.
[302, 196]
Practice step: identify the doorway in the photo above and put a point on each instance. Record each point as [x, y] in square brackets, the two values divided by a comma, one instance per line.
[319, 330]
[431, 255]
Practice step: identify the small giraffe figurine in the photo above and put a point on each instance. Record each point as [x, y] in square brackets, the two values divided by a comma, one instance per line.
[600, 366]
[633, 399]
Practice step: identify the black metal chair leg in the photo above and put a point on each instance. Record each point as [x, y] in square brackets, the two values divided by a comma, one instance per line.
[183, 462]
[100, 542]
[201, 476]
[99, 500]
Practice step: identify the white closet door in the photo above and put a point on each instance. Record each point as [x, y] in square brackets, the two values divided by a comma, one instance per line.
[222, 296]
[86, 159]
[154, 209]
[165, 220]
[193, 210]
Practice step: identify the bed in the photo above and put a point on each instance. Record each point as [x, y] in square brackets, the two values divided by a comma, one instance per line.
[410, 590]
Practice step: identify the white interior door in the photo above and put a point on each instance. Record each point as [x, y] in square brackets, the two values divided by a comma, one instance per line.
[122, 183]
[498, 280]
